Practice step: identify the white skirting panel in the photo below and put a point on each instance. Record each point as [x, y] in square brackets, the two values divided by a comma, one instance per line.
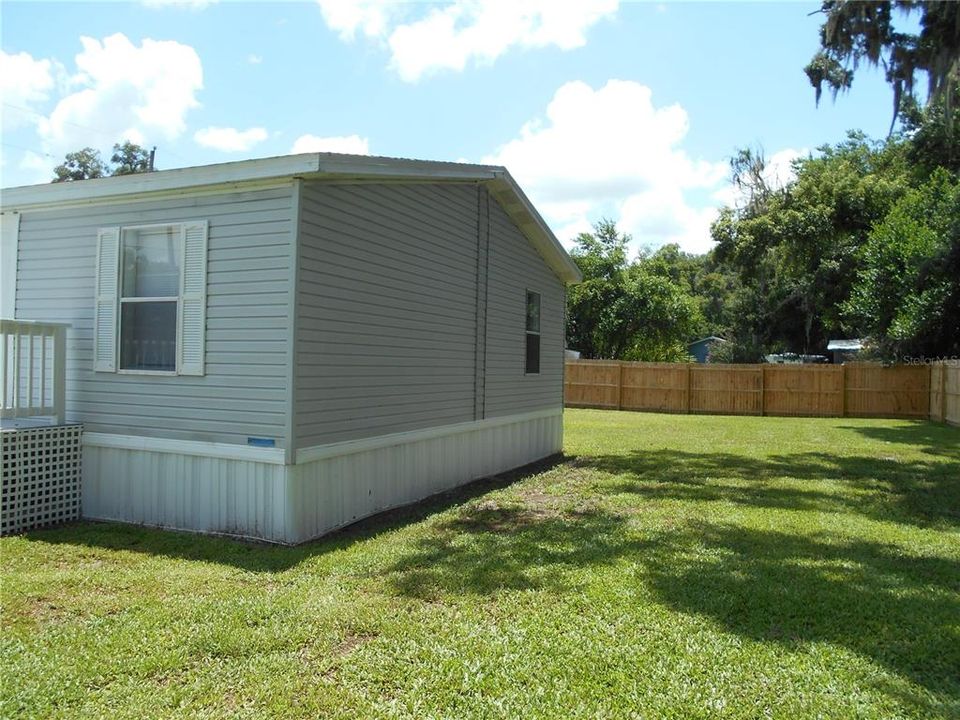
[244, 493]
[182, 491]
[350, 481]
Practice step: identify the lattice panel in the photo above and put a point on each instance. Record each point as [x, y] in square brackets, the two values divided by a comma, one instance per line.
[41, 477]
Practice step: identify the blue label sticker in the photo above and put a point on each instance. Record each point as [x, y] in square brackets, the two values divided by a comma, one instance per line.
[261, 442]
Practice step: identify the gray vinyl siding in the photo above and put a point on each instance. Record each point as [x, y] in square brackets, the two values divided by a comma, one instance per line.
[515, 267]
[387, 309]
[244, 390]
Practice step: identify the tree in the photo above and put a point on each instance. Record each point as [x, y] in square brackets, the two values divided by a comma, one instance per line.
[796, 252]
[715, 288]
[934, 136]
[701, 277]
[856, 31]
[907, 294]
[671, 262]
[80, 165]
[602, 259]
[623, 310]
[657, 318]
[748, 174]
[130, 158]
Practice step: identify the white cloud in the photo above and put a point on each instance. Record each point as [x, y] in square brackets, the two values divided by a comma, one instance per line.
[346, 17]
[254, 59]
[464, 31]
[611, 152]
[778, 173]
[124, 91]
[25, 83]
[33, 161]
[230, 139]
[779, 168]
[349, 144]
[36, 168]
[664, 216]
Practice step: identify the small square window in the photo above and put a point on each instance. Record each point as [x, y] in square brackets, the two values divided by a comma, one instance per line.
[532, 360]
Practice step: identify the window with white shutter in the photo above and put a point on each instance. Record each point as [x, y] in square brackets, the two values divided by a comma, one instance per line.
[151, 299]
[193, 298]
[105, 311]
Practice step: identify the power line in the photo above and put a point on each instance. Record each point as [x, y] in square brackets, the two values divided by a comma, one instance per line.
[26, 149]
[98, 131]
[65, 122]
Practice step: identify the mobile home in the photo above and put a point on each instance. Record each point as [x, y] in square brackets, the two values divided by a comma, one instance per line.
[276, 348]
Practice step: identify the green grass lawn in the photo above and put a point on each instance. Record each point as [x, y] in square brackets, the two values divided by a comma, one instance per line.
[669, 567]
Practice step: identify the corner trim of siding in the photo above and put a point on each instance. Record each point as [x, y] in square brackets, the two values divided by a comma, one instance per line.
[223, 451]
[349, 447]
[293, 313]
[8, 260]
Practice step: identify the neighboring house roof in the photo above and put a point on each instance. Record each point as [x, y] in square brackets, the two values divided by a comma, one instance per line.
[710, 338]
[850, 345]
[310, 166]
[780, 358]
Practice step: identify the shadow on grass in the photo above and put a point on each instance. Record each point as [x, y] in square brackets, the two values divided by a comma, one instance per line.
[923, 493]
[933, 438]
[264, 557]
[897, 609]
[490, 549]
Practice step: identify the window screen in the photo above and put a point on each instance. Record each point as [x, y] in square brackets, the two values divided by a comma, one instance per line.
[149, 298]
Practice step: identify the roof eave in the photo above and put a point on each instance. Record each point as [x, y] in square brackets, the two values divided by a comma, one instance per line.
[309, 166]
[518, 206]
[138, 183]
[315, 165]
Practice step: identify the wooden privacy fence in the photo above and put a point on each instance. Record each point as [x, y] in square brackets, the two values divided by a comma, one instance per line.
[854, 389]
[945, 392]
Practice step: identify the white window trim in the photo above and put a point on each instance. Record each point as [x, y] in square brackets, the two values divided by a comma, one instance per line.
[191, 300]
[182, 227]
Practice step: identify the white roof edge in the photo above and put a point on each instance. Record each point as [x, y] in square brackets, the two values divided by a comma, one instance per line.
[176, 179]
[308, 165]
[845, 344]
[538, 232]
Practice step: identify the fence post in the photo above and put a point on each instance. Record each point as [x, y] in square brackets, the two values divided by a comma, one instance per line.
[943, 390]
[763, 385]
[686, 397]
[60, 374]
[619, 384]
[843, 390]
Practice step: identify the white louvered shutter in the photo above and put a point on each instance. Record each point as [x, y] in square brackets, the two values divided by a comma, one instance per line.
[105, 312]
[193, 299]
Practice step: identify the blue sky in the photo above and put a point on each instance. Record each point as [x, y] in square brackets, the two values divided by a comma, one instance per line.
[600, 108]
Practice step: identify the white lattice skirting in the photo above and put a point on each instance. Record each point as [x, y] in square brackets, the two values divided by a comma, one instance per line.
[41, 477]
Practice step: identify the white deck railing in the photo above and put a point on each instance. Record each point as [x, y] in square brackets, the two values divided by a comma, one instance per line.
[33, 368]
